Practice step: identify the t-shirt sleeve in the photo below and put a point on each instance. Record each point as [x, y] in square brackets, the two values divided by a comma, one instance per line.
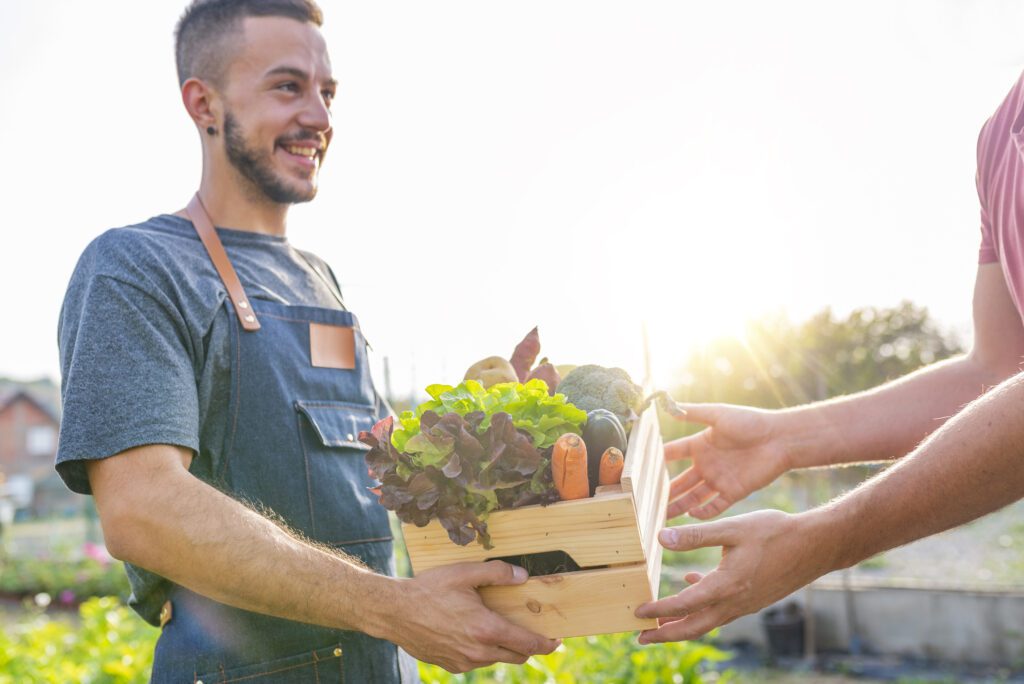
[128, 377]
[987, 252]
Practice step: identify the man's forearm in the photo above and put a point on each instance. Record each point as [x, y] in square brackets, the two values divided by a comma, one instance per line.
[210, 543]
[887, 422]
[968, 468]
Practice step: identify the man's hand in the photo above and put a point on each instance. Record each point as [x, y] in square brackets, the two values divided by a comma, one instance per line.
[737, 454]
[440, 619]
[766, 556]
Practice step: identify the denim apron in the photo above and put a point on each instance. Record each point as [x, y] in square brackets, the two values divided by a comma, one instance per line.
[292, 451]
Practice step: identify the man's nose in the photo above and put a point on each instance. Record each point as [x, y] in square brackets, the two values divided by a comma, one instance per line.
[316, 115]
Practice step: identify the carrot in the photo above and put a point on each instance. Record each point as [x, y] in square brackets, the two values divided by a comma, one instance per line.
[610, 472]
[569, 467]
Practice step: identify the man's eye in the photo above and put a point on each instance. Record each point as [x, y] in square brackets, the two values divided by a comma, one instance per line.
[290, 87]
[328, 96]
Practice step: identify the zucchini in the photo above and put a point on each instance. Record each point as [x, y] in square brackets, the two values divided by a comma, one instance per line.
[603, 430]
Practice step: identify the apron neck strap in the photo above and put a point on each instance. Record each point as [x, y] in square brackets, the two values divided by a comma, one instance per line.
[208, 235]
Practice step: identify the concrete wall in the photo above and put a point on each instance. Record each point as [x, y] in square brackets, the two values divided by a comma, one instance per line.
[948, 625]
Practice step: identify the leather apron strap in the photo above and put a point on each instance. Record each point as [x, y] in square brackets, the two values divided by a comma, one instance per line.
[208, 235]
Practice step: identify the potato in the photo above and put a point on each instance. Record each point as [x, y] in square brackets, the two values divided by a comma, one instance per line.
[491, 371]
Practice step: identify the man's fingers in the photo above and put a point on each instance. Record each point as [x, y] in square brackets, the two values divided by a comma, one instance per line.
[693, 577]
[682, 448]
[690, 537]
[688, 628]
[692, 499]
[713, 588]
[700, 413]
[684, 482]
[523, 641]
[712, 508]
[503, 655]
[494, 573]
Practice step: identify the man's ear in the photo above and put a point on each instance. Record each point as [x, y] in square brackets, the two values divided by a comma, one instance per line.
[202, 103]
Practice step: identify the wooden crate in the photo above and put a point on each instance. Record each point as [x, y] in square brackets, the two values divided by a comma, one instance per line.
[611, 536]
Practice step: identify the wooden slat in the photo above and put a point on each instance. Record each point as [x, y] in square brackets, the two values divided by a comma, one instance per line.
[576, 603]
[653, 548]
[648, 480]
[596, 531]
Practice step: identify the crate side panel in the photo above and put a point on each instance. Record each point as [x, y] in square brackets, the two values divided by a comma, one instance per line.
[576, 603]
[596, 531]
[653, 548]
[650, 499]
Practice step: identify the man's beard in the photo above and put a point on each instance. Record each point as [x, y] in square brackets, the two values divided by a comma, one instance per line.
[257, 167]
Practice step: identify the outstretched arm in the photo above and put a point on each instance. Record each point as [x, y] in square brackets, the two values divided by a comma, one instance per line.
[969, 467]
[157, 515]
[745, 449]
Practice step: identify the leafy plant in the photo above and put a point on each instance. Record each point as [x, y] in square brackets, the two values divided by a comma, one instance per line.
[544, 417]
[470, 451]
[110, 645]
[601, 659]
[67, 581]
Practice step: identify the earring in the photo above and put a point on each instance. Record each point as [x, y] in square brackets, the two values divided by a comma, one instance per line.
[210, 130]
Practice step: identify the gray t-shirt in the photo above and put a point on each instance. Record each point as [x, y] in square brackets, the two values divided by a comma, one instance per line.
[144, 347]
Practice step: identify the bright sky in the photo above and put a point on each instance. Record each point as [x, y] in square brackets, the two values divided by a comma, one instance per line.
[589, 167]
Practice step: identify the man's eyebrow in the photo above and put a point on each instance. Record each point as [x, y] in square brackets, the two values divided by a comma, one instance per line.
[296, 73]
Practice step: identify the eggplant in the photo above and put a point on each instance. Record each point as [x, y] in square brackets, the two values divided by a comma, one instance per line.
[603, 430]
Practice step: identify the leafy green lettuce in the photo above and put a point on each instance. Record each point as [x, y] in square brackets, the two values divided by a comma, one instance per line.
[469, 451]
[544, 417]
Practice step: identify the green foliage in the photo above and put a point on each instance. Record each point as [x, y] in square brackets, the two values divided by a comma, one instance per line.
[779, 364]
[110, 645]
[610, 658]
[544, 417]
[65, 580]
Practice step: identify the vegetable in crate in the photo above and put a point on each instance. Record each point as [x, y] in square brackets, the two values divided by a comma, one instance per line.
[525, 354]
[569, 468]
[491, 371]
[602, 431]
[612, 464]
[595, 387]
[468, 451]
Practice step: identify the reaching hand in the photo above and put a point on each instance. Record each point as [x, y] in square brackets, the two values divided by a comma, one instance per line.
[441, 619]
[766, 556]
[737, 454]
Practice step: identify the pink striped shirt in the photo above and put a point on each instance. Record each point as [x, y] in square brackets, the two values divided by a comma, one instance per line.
[1000, 190]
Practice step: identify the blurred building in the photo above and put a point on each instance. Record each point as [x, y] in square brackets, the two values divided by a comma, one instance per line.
[29, 424]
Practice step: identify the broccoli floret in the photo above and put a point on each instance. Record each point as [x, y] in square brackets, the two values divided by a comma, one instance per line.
[593, 387]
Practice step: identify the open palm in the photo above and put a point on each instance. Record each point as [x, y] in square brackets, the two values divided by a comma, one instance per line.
[737, 454]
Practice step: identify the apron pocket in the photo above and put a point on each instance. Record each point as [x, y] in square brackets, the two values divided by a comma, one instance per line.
[342, 509]
[322, 665]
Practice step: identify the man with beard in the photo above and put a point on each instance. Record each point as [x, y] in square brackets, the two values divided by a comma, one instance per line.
[214, 385]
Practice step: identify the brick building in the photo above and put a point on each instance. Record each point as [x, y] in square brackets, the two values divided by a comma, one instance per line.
[29, 423]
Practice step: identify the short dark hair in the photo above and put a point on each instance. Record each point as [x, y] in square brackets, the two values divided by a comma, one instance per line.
[209, 27]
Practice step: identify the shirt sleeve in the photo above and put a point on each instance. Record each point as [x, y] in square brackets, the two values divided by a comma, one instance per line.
[987, 252]
[128, 378]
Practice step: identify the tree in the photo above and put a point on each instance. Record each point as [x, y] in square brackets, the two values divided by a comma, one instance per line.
[780, 364]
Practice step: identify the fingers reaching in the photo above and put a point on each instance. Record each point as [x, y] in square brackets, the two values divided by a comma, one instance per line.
[706, 414]
[712, 508]
[699, 495]
[689, 537]
[687, 628]
[710, 590]
[682, 448]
